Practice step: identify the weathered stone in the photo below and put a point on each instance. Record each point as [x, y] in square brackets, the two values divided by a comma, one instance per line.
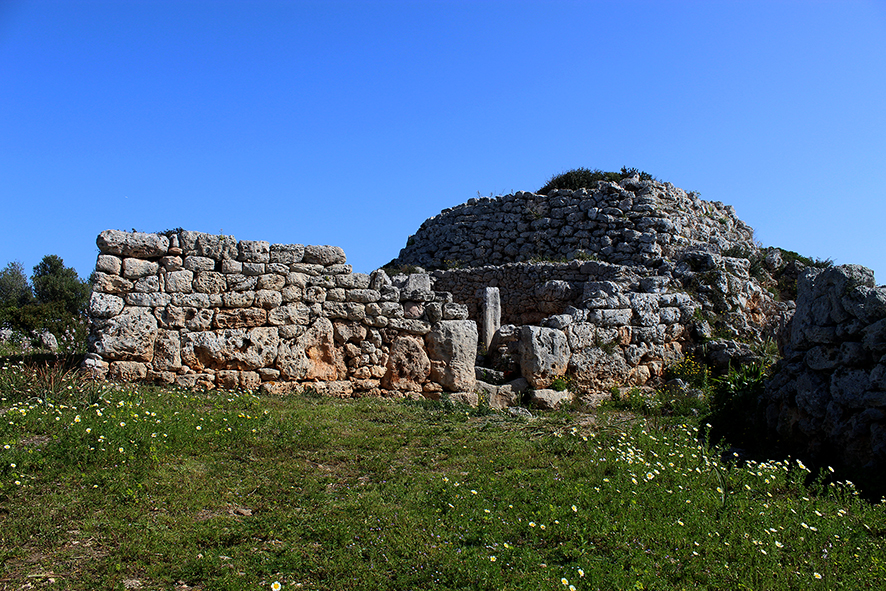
[545, 399]
[104, 283]
[408, 365]
[544, 355]
[150, 300]
[104, 305]
[364, 296]
[167, 351]
[452, 349]
[110, 264]
[453, 311]
[238, 299]
[296, 313]
[349, 332]
[254, 251]
[210, 282]
[132, 244]
[127, 371]
[412, 326]
[196, 263]
[286, 253]
[268, 299]
[128, 336]
[180, 281]
[324, 255]
[240, 318]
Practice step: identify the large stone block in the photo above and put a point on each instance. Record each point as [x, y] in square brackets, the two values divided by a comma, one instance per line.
[129, 336]
[452, 350]
[324, 255]
[544, 355]
[408, 366]
[132, 244]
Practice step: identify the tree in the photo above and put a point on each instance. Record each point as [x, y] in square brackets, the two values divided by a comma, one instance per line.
[15, 291]
[56, 284]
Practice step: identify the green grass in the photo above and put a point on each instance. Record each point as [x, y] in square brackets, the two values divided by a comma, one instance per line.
[103, 486]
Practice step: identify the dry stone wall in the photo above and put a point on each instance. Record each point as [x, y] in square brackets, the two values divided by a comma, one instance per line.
[209, 311]
[633, 222]
[828, 398]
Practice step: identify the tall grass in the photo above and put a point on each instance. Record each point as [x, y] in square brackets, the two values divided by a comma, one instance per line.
[111, 487]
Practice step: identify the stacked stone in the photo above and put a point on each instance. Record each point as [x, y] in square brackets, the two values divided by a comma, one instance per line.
[204, 310]
[828, 398]
[616, 337]
[632, 223]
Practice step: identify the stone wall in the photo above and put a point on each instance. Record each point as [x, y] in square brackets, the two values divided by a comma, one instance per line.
[828, 397]
[632, 222]
[209, 311]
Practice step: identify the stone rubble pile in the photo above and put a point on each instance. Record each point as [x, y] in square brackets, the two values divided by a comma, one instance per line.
[828, 398]
[202, 310]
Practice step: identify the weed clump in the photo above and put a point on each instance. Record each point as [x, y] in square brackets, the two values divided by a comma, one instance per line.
[583, 178]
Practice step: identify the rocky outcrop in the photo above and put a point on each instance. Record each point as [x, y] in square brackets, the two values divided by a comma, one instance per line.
[828, 398]
[203, 310]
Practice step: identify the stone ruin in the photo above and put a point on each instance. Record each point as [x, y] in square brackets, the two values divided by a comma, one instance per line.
[208, 311]
[606, 285]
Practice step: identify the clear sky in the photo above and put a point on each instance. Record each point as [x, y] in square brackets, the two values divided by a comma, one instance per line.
[351, 122]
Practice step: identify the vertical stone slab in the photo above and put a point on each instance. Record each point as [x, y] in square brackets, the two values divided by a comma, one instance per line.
[490, 320]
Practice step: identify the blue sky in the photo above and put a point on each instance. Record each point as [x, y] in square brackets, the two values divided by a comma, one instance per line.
[351, 122]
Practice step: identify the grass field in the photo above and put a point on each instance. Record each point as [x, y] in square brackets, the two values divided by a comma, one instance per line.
[137, 487]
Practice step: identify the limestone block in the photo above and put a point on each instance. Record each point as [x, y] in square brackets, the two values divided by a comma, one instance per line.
[106, 283]
[336, 294]
[192, 300]
[378, 279]
[108, 263]
[135, 268]
[315, 294]
[216, 247]
[297, 280]
[286, 253]
[132, 244]
[353, 281]
[544, 399]
[339, 269]
[413, 309]
[453, 311]
[228, 379]
[171, 263]
[599, 369]
[292, 293]
[150, 284]
[210, 282]
[267, 374]
[490, 304]
[324, 255]
[150, 300]
[238, 299]
[250, 381]
[167, 351]
[268, 299]
[345, 332]
[254, 269]
[197, 263]
[295, 313]
[544, 355]
[104, 305]
[127, 371]
[261, 347]
[364, 296]
[335, 310]
[312, 356]
[307, 269]
[241, 282]
[408, 365]
[254, 251]
[452, 350]
[180, 281]
[240, 318]
[129, 336]
[231, 267]
[610, 318]
[412, 326]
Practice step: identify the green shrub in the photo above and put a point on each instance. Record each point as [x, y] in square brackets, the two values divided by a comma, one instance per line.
[583, 178]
